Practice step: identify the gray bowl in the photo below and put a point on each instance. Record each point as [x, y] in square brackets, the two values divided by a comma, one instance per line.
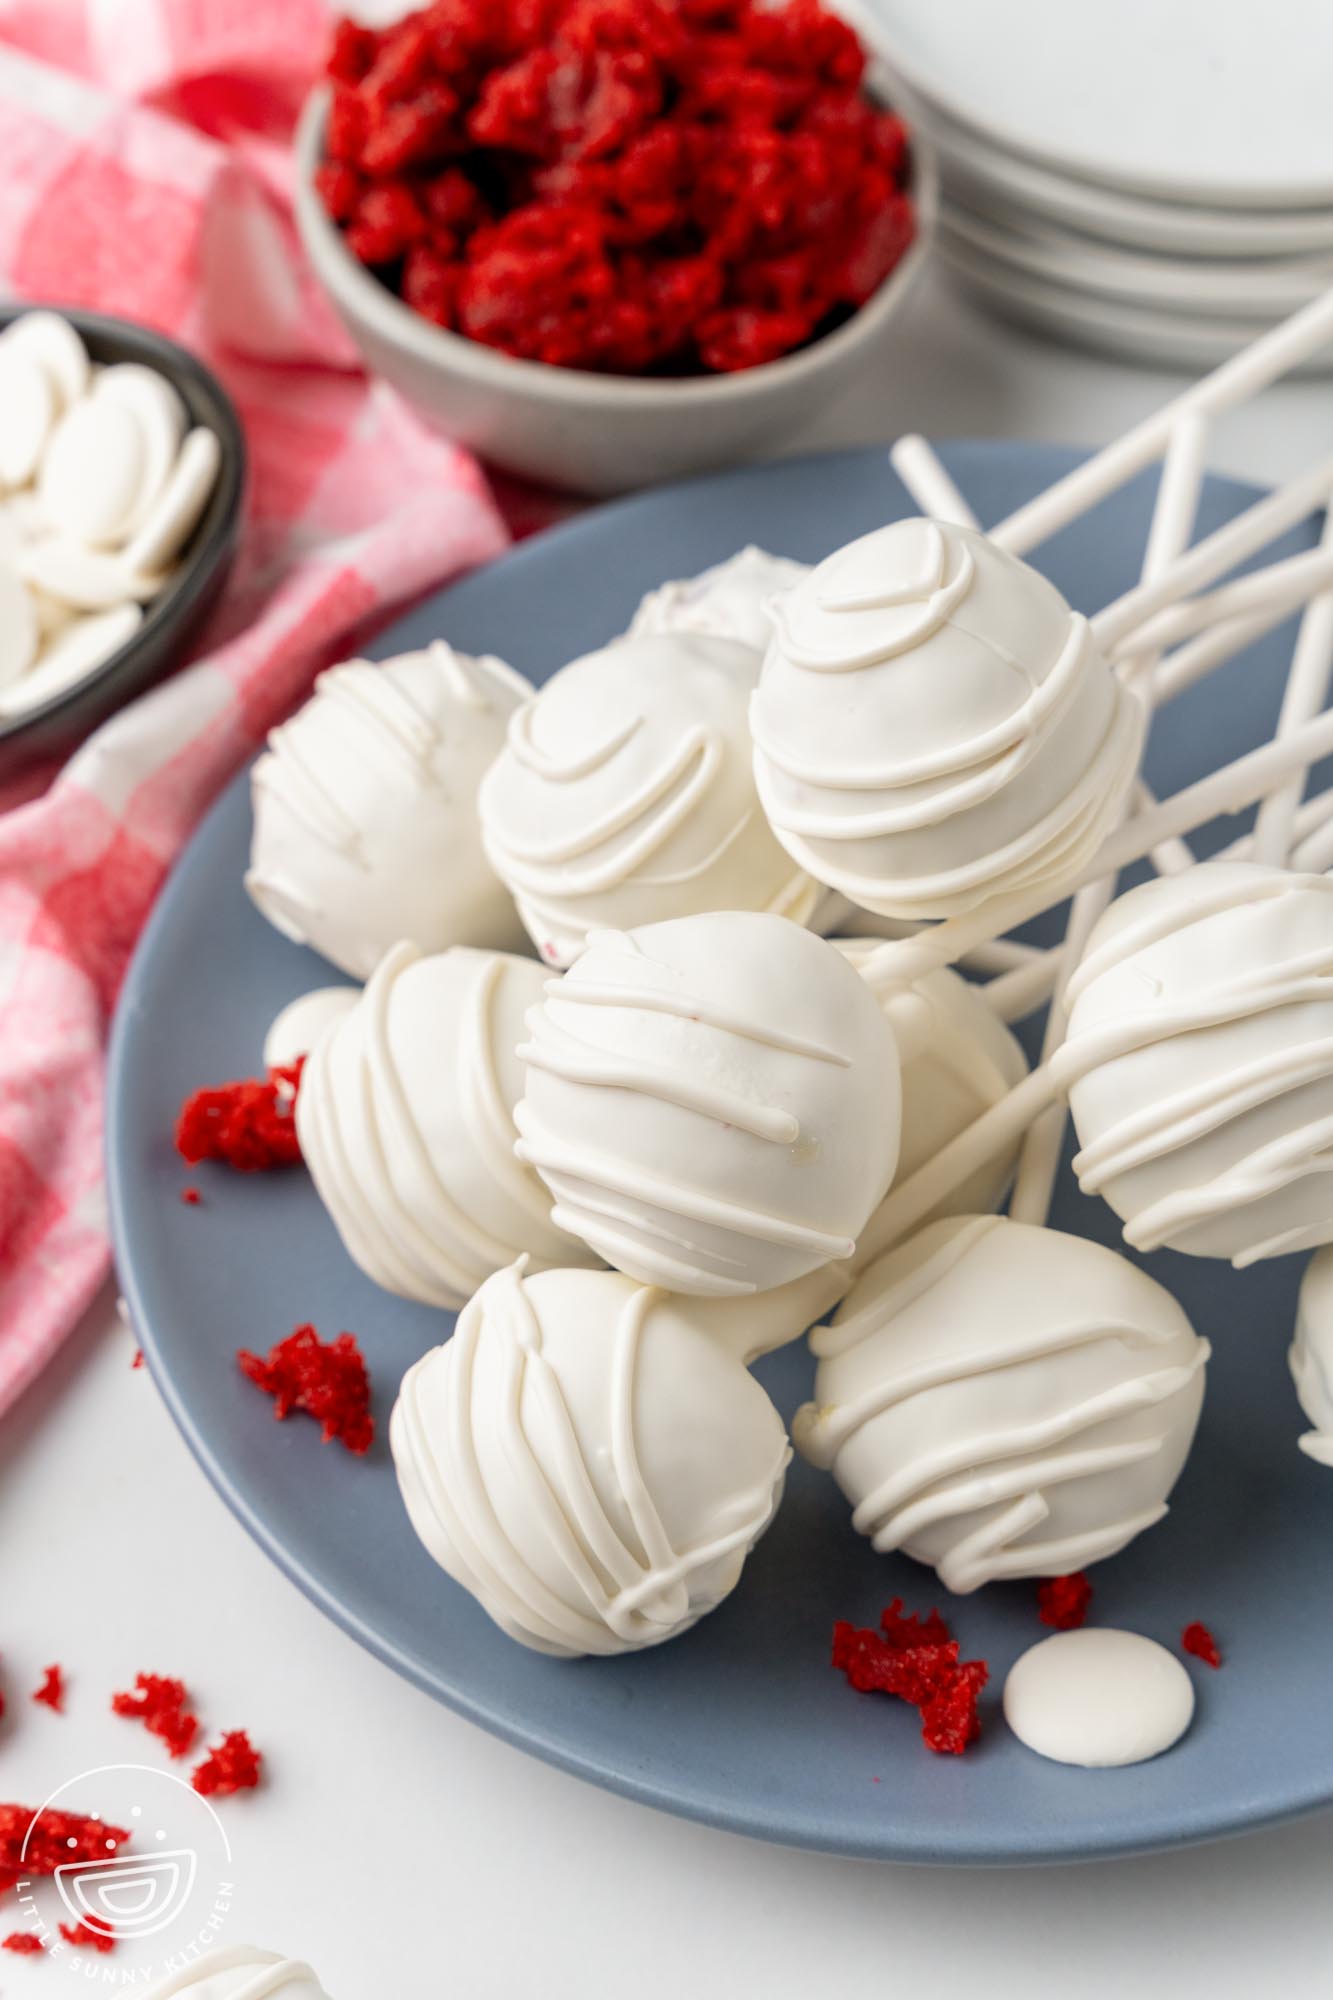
[591, 433]
[171, 618]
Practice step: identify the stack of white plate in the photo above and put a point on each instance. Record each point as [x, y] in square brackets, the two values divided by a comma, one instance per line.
[1153, 178]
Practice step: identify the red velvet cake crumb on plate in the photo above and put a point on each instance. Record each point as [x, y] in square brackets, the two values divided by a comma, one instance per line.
[51, 1693]
[37, 1843]
[25, 1944]
[89, 1935]
[1197, 1640]
[1063, 1601]
[249, 1125]
[325, 1379]
[233, 1765]
[917, 1660]
[160, 1703]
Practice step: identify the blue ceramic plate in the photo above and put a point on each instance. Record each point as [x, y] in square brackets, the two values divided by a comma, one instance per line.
[742, 1723]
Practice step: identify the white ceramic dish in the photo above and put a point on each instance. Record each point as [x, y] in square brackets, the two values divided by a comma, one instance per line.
[1210, 101]
[1128, 333]
[1262, 292]
[593, 433]
[1012, 189]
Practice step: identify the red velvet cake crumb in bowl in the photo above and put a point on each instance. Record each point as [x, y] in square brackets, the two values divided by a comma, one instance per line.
[604, 245]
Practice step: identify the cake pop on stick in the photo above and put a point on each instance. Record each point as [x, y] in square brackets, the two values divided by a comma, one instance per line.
[1003, 1401]
[587, 1460]
[714, 1102]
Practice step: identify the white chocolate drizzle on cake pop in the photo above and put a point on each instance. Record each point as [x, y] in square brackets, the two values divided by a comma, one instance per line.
[301, 1023]
[935, 728]
[1199, 1062]
[405, 1118]
[587, 1460]
[1311, 1356]
[1000, 1401]
[365, 809]
[625, 795]
[713, 1102]
[732, 600]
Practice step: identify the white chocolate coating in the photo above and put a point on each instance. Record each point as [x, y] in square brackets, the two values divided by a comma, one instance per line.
[998, 1400]
[731, 600]
[1311, 1356]
[587, 1460]
[1199, 1062]
[934, 727]
[958, 1059]
[299, 1025]
[625, 795]
[239, 1972]
[405, 1117]
[1099, 1698]
[713, 1102]
[365, 809]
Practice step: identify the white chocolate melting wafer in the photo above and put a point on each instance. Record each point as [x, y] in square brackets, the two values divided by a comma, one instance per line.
[176, 512]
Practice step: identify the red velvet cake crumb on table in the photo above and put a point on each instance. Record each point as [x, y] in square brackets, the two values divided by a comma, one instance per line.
[55, 1838]
[1063, 1601]
[191, 1197]
[26, 1944]
[160, 1703]
[233, 1765]
[917, 1660]
[51, 1693]
[628, 186]
[249, 1125]
[90, 1936]
[1197, 1640]
[327, 1380]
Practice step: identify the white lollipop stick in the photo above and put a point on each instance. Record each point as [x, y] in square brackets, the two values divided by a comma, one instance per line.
[1217, 553]
[1234, 382]
[1305, 694]
[1169, 532]
[916, 464]
[994, 1132]
[1280, 588]
[1313, 854]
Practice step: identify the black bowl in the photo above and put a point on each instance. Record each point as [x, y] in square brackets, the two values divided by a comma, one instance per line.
[169, 620]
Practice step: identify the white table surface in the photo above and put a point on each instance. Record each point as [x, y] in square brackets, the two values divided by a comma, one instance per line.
[409, 1856]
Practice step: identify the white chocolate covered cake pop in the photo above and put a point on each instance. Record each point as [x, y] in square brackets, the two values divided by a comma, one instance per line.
[587, 1460]
[732, 600]
[625, 795]
[713, 1102]
[405, 1118]
[1312, 1356]
[934, 727]
[300, 1024]
[999, 1400]
[366, 809]
[1199, 1062]
[958, 1058]
[239, 1972]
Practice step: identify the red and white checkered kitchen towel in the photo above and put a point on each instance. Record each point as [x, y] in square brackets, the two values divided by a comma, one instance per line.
[143, 172]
